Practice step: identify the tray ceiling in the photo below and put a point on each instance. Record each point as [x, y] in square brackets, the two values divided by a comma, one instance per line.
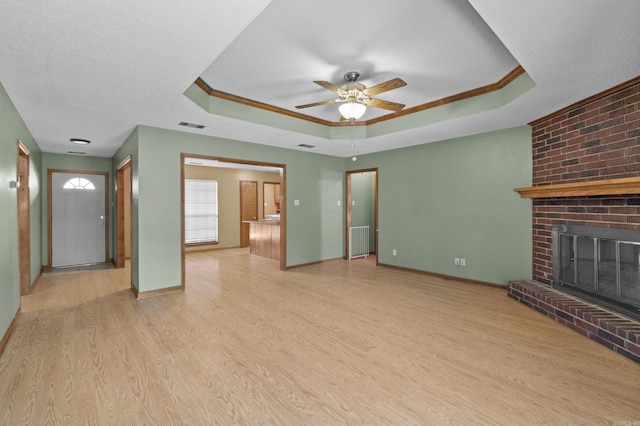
[96, 70]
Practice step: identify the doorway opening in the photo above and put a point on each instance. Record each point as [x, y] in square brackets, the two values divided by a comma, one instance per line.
[231, 192]
[123, 212]
[361, 212]
[24, 221]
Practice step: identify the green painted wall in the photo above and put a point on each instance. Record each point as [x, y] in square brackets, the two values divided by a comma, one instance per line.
[130, 148]
[363, 203]
[12, 128]
[78, 163]
[455, 198]
[314, 228]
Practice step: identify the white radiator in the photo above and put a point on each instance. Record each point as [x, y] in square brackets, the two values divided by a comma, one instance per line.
[358, 241]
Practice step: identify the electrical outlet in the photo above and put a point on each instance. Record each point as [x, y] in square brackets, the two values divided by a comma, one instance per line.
[457, 261]
[395, 252]
[463, 262]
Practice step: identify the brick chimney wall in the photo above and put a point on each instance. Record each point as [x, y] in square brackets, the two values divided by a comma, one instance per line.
[596, 139]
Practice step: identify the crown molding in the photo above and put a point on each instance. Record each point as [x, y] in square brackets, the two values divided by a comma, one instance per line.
[515, 73]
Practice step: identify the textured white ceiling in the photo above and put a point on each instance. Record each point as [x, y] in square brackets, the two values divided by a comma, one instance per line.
[95, 70]
[431, 45]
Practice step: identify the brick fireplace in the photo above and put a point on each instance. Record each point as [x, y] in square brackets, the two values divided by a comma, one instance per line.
[596, 140]
[593, 142]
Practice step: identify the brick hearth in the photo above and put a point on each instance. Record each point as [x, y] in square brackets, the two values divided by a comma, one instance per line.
[615, 331]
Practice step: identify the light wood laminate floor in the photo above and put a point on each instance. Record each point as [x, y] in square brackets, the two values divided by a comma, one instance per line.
[333, 343]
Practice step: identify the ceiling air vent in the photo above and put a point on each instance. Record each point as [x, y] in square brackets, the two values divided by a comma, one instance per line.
[194, 126]
[304, 145]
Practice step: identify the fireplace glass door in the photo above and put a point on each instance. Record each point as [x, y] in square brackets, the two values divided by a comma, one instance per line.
[607, 268]
[630, 272]
[603, 266]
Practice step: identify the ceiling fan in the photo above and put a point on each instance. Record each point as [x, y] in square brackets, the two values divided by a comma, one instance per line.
[354, 97]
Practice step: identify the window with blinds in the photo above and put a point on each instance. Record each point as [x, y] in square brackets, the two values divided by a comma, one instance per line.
[200, 211]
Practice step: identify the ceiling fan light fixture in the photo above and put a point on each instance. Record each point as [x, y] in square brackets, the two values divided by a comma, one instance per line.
[352, 110]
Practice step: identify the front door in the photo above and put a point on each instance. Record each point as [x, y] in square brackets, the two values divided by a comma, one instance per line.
[78, 219]
[248, 208]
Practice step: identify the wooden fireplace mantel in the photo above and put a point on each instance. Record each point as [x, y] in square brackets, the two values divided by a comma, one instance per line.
[620, 186]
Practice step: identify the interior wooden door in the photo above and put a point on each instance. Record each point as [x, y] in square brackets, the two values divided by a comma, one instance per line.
[248, 208]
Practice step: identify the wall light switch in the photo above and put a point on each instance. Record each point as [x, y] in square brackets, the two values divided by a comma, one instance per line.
[338, 203]
[353, 202]
[296, 202]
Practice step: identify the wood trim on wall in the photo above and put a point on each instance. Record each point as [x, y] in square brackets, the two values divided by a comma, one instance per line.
[348, 193]
[23, 193]
[515, 73]
[141, 295]
[22, 148]
[121, 194]
[124, 163]
[317, 262]
[512, 75]
[119, 263]
[9, 332]
[182, 231]
[446, 277]
[283, 218]
[283, 203]
[348, 218]
[255, 104]
[588, 100]
[37, 280]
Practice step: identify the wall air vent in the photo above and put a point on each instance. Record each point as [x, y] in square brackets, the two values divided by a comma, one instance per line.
[194, 126]
[76, 153]
[304, 145]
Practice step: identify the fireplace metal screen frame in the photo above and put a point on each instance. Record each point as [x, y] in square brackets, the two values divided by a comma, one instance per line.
[618, 236]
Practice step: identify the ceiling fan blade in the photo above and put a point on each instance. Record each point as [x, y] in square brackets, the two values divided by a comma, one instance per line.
[379, 103]
[384, 87]
[332, 101]
[331, 87]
